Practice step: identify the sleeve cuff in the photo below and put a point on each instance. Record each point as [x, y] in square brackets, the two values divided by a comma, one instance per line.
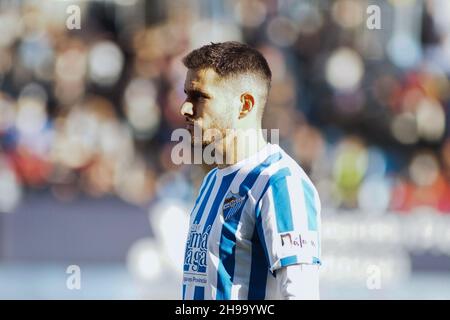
[294, 259]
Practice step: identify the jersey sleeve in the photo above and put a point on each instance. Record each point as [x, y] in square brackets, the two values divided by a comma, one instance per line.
[288, 221]
[299, 282]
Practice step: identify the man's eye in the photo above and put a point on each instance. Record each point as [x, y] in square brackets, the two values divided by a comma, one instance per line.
[195, 96]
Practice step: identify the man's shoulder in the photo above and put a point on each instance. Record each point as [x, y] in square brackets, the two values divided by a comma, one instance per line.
[286, 166]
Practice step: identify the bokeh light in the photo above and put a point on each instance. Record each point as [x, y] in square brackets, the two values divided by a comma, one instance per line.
[344, 69]
[105, 63]
[144, 260]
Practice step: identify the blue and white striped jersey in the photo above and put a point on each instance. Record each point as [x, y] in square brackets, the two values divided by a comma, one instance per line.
[250, 219]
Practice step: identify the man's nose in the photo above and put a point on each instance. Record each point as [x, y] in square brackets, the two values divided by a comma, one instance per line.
[187, 109]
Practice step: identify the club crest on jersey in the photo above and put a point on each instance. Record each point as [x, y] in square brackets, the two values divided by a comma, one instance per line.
[231, 205]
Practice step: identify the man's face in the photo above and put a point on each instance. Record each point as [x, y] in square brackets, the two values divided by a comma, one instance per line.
[211, 107]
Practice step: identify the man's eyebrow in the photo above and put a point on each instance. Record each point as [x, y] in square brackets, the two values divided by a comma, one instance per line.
[196, 92]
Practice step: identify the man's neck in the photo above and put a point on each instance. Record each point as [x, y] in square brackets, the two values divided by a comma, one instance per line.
[236, 147]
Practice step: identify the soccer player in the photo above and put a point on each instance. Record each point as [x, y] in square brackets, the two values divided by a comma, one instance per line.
[255, 226]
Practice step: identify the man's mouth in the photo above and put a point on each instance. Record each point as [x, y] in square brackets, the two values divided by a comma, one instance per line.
[189, 124]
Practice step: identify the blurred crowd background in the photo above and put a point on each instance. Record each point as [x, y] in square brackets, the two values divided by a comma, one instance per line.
[86, 117]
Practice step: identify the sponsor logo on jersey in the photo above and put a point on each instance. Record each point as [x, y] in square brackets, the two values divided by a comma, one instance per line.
[196, 249]
[290, 239]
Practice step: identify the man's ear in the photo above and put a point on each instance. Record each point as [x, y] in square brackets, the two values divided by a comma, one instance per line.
[247, 104]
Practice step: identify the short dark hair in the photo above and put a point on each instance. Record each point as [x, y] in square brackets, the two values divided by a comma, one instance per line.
[229, 58]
